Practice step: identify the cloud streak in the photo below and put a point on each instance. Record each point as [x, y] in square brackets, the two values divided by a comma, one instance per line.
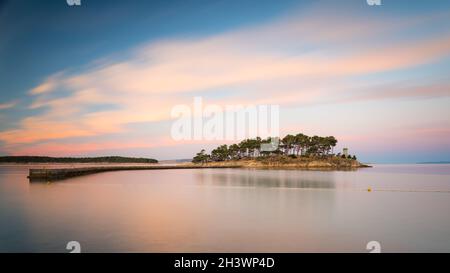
[8, 105]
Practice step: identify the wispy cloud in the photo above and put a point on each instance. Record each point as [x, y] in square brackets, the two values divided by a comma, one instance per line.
[8, 105]
[49, 85]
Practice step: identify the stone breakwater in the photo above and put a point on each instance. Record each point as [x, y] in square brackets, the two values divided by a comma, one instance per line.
[58, 174]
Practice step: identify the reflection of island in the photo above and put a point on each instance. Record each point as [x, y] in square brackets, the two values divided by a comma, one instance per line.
[296, 151]
[269, 179]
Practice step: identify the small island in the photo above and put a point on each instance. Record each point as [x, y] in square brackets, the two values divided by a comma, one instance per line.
[292, 151]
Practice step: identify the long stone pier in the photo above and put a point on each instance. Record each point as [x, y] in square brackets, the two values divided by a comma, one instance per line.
[59, 174]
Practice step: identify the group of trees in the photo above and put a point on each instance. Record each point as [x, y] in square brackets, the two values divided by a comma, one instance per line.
[290, 145]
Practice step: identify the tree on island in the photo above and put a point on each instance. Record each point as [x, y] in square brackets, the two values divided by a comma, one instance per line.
[201, 157]
[290, 145]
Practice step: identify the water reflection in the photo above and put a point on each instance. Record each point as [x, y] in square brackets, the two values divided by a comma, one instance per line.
[271, 179]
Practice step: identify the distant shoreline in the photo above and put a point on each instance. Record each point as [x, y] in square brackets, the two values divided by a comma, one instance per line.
[69, 160]
[434, 162]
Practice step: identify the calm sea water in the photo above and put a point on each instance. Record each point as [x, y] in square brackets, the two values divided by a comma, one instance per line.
[229, 210]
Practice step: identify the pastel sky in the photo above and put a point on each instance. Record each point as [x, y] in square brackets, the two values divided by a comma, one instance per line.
[102, 78]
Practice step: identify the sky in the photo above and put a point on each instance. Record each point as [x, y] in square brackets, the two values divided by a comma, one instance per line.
[102, 78]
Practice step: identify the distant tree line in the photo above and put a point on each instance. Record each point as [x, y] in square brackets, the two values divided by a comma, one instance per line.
[47, 159]
[290, 145]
